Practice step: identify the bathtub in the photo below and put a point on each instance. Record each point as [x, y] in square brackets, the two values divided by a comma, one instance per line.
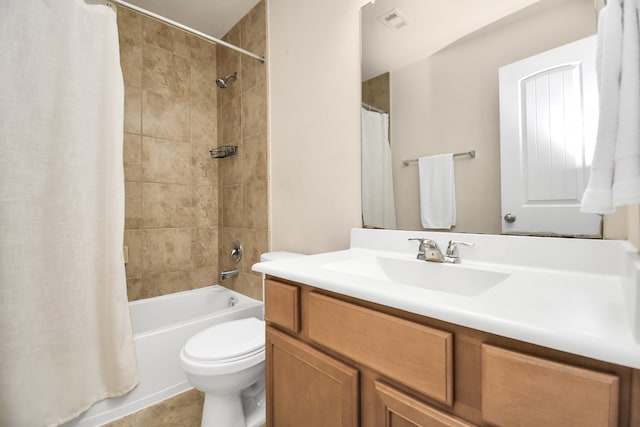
[161, 326]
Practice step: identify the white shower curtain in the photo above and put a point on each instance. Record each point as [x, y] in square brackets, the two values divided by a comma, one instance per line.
[65, 331]
[378, 201]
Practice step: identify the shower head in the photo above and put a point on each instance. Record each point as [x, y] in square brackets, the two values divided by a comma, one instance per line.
[222, 81]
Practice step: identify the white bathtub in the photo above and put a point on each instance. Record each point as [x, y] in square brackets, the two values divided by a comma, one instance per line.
[161, 326]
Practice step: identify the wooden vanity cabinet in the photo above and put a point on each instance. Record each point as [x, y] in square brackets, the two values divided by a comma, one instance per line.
[333, 360]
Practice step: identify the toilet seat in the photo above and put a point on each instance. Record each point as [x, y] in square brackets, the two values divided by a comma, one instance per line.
[227, 342]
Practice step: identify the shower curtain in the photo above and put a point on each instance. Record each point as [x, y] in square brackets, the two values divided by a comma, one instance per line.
[378, 201]
[65, 331]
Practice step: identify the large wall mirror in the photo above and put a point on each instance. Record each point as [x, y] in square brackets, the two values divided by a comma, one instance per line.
[433, 67]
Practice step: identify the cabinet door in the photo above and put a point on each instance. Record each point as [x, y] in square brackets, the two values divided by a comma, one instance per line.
[306, 387]
[527, 391]
[396, 409]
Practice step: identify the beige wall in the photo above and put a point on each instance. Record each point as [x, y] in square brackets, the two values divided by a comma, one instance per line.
[314, 107]
[182, 207]
[242, 121]
[449, 103]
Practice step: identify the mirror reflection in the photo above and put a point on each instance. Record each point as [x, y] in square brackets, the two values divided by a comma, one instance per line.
[432, 69]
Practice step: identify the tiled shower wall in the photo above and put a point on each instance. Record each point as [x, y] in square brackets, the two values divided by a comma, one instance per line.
[182, 207]
[171, 183]
[242, 121]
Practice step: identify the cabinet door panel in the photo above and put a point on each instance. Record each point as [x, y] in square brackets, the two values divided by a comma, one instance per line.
[306, 387]
[282, 305]
[418, 356]
[523, 390]
[396, 409]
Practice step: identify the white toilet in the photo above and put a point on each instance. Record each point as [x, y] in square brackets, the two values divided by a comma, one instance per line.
[226, 362]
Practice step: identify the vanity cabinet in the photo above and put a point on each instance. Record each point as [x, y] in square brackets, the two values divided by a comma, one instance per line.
[333, 360]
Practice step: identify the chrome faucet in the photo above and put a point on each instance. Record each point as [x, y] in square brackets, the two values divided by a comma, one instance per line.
[429, 250]
[452, 255]
[224, 275]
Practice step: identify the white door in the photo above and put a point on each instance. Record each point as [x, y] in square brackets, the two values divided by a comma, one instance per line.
[548, 124]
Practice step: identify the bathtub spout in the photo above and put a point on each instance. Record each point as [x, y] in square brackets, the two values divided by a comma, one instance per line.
[228, 274]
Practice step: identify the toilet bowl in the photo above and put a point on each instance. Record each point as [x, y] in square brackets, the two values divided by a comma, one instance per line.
[226, 362]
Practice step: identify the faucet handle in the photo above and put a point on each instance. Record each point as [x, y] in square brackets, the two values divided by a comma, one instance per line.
[452, 248]
[421, 252]
[435, 254]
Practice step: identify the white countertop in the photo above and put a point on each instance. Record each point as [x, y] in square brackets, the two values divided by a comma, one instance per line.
[583, 303]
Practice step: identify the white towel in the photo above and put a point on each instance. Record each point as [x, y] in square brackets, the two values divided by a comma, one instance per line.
[437, 191]
[615, 170]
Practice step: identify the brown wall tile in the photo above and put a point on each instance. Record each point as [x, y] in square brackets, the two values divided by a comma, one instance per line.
[132, 109]
[130, 38]
[254, 157]
[232, 207]
[205, 199]
[166, 249]
[163, 70]
[204, 247]
[255, 204]
[254, 110]
[165, 37]
[167, 205]
[166, 161]
[229, 122]
[132, 205]
[165, 114]
[132, 154]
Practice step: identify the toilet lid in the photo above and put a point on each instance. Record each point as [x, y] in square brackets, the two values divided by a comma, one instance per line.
[227, 340]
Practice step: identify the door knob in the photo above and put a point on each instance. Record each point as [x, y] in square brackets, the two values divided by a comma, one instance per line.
[510, 218]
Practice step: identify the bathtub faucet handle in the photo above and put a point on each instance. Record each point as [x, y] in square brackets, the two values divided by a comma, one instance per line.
[236, 251]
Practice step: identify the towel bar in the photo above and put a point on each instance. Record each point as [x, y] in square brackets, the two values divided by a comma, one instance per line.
[471, 154]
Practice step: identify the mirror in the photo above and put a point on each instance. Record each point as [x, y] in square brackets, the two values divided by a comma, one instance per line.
[437, 64]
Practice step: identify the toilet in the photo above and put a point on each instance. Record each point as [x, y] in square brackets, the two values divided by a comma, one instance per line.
[226, 362]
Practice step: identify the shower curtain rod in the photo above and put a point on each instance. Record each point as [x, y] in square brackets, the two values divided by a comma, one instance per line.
[185, 28]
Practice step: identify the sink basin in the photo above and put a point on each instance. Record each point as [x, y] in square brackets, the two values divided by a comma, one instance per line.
[450, 278]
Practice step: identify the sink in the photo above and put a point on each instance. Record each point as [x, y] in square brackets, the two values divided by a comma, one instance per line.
[449, 278]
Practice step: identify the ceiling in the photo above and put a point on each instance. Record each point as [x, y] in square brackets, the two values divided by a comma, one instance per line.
[212, 17]
[431, 25]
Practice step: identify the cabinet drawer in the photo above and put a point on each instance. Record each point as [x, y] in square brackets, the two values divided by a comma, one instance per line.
[282, 305]
[523, 390]
[412, 354]
[396, 409]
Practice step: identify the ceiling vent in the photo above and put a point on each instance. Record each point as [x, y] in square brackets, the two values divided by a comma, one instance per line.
[394, 19]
